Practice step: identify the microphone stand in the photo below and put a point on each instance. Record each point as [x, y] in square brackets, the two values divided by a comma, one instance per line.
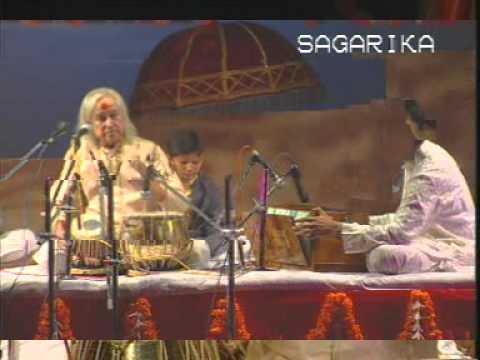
[231, 262]
[69, 172]
[68, 209]
[25, 158]
[114, 262]
[263, 221]
[262, 207]
[228, 232]
[48, 236]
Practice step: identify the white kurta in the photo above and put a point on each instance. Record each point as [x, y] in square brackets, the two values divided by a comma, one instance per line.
[435, 218]
[35, 350]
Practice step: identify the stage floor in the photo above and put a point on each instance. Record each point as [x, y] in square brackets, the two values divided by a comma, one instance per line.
[283, 304]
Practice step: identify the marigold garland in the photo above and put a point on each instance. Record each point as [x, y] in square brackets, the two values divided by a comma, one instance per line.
[138, 321]
[427, 317]
[336, 320]
[63, 320]
[219, 314]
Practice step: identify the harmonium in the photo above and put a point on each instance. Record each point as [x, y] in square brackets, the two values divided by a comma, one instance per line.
[283, 249]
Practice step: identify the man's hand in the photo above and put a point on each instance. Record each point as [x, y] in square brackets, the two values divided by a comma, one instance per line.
[137, 170]
[59, 232]
[158, 190]
[60, 229]
[320, 223]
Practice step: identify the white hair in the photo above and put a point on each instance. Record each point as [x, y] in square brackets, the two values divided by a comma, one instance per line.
[89, 103]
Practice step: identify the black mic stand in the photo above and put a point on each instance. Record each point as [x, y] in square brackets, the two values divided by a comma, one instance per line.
[231, 262]
[114, 262]
[230, 236]
[48, 236]
[76, 145]
[68, 209]
[263, 221]
[262, 208]
[41, 144]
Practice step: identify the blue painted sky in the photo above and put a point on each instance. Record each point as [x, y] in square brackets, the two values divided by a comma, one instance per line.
[46, 70]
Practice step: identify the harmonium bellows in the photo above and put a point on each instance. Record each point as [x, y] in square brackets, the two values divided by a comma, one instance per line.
[327, 251]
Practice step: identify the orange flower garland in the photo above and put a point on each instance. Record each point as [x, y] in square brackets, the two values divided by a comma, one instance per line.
[421, 303]
[63, 321]
[138, 321]
[219, 314]
[336, 320]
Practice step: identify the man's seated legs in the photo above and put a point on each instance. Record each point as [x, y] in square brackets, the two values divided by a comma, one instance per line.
[398, 259]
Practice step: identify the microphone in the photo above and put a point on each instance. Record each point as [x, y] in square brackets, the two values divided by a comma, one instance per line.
[83, 130]
[148, 177]
[297, 179]
[256, 158]
[60, 130]
[101, 166]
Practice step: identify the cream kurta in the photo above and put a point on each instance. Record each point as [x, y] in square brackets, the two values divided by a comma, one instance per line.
[128, 186]
[127, 189]
[435, 218]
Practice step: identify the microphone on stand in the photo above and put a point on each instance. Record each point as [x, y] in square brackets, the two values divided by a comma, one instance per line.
[148, 178]
[297, 180]
[83, 130]
[257, 158]
[60, 130]
[103, 170]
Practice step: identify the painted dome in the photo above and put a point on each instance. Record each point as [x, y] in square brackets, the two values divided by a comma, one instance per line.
[216, 63]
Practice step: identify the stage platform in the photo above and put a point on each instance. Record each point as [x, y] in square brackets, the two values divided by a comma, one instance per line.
[283, 304]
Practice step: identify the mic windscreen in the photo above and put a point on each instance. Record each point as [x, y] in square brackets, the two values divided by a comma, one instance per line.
[62, 125]
[84, 129]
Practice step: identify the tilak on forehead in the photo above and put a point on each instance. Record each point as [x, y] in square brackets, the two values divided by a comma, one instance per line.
[106, 103]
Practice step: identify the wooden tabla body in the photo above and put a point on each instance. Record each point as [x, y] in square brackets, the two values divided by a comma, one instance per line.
[156, 240]
[328, 254]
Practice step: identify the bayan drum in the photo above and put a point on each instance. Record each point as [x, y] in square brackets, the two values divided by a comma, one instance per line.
[90, 246]
[155, 240]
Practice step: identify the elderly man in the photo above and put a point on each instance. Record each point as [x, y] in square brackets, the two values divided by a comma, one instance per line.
[433, 228]
[112, 143]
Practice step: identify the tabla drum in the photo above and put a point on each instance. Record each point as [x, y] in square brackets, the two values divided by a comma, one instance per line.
[118, 350]
[91, 350]
[90, 242]
[155, 240]
[158, 349]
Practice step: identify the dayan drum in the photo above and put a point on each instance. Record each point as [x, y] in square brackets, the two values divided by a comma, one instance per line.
[155, 240]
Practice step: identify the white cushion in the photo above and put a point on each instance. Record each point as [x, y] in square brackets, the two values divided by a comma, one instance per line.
[17, 247]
